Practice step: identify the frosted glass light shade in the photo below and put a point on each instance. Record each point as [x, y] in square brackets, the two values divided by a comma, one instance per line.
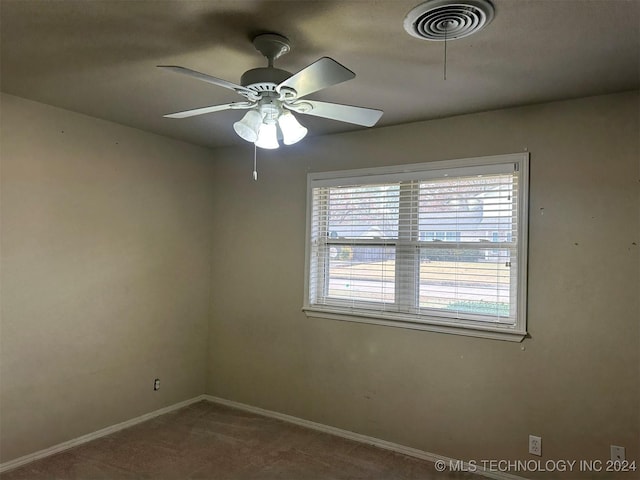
[249, 126]
[292, 131]
[267, 136]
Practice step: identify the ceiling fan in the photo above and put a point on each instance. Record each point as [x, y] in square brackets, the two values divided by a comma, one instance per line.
[273, 94]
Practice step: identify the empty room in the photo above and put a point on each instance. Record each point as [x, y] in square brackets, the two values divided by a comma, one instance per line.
[323, 239]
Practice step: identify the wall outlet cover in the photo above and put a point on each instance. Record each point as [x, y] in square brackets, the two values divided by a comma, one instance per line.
[535, 445]
[617, 454]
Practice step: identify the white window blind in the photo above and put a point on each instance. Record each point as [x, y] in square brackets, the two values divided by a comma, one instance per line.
[440, 244]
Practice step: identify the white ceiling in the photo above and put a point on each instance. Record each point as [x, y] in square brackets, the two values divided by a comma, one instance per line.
[98, 57]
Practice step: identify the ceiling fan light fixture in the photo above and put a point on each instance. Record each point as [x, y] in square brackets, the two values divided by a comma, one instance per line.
[248, 128]
[268, 136]
[270, 111]
[292, 130]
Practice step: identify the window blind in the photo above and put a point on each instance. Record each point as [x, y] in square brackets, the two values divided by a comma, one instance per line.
[433, 245]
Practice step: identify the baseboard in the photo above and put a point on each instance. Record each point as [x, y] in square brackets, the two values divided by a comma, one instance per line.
[409, 451]
[412, 452]
[18, 462]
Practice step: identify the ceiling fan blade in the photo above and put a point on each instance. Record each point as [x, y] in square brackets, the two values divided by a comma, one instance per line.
[321, 74]
[366, 117]
[207, 78]
[211, 109]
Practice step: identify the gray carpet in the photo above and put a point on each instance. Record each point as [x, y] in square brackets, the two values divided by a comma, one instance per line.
[209, 441]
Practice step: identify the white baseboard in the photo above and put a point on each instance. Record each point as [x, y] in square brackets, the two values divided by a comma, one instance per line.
[411, 452]
[18, 462]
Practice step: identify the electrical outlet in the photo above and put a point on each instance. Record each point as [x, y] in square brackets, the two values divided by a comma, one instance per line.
[535, 445]
[156, 384]
[617, 454]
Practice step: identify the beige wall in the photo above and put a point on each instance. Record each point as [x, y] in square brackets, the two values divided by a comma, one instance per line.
[575, 381]
[106, 235]
[113, 239]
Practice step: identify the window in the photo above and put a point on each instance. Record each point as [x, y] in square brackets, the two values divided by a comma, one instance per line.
[435, 246]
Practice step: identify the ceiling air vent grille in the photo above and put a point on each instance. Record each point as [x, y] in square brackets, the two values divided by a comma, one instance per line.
[441, 20]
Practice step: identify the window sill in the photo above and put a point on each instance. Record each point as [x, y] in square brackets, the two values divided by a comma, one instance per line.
[506, 333]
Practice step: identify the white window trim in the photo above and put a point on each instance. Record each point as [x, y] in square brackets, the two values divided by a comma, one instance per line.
[514, 333]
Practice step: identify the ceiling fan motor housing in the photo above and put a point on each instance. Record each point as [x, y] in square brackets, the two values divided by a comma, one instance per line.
[264, 75]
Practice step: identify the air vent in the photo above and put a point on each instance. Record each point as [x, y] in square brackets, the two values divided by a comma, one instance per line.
[441, 20]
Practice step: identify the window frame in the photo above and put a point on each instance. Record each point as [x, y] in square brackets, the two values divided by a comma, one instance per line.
[435, 323]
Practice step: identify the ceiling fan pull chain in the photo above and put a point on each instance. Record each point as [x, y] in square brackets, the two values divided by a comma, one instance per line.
[445, 49]
[255, 170]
